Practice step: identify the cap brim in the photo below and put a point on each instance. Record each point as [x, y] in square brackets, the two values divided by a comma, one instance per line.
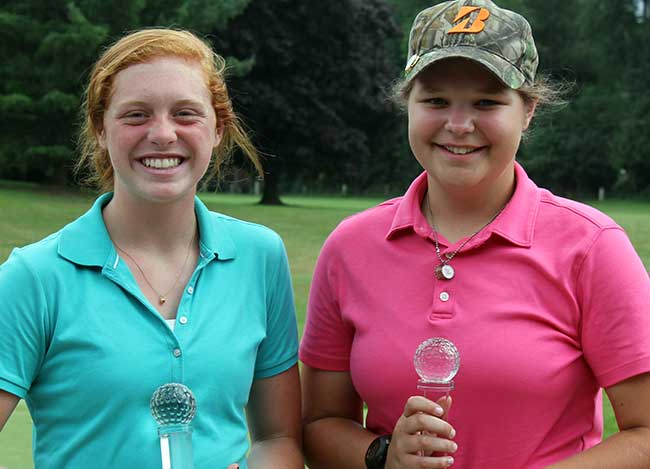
[505, 71]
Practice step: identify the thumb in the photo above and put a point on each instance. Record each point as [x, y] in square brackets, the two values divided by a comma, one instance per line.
[445, 402]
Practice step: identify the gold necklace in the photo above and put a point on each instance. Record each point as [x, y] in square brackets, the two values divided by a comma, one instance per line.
[162, 297]
[444, 271]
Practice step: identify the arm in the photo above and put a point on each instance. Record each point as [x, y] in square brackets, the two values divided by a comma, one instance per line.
[630, 447]
[333, 421]
[8, 403]
[335, 437]
[273, 414]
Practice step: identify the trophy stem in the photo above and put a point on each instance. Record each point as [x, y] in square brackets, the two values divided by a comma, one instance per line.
[434, 391]
[176, 446]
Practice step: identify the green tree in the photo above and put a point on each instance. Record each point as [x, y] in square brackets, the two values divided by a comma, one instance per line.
[572, 152]
[46, 50]
[631, 146]
[315, 95]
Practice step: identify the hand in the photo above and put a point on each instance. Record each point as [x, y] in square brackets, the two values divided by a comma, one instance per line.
[420, 434]
[233, 466]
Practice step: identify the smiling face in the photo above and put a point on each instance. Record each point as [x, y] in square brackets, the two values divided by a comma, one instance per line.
[160, 130]
[465, 127]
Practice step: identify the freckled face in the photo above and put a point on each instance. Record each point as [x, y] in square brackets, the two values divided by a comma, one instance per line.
[465, 126]
[160, 130]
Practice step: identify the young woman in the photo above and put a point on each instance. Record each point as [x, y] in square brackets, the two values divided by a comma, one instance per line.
[545, 298]
[150, 287]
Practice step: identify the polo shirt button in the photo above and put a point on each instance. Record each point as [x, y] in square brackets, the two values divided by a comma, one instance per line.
[183, 320]
[444, 296]
[177, 352]
[190, 290]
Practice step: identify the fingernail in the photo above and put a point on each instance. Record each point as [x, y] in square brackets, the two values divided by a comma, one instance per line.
[450, 461]
[438, 410]
[452, 433]
[454, 447]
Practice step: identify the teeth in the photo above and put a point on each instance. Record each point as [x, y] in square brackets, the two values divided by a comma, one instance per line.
[459, 150]
[161, 163]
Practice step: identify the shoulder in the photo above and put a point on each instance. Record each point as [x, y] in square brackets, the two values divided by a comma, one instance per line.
[40, 255]
[245, 235]
[374, 222]
[30, 271]
[575, 212]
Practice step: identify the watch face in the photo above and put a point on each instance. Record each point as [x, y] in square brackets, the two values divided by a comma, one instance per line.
[377, 452]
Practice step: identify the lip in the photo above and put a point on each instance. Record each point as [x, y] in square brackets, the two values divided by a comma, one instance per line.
[470, 150]
[161, 156]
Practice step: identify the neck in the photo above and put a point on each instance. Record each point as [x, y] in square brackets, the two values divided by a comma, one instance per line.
[150, 226]
[459, 214]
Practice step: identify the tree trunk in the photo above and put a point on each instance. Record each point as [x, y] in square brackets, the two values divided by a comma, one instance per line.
[271, 193]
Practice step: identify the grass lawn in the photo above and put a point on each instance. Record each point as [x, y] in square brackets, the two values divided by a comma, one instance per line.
[30, 213]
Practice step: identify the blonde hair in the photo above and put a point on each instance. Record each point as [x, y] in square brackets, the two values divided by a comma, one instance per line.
[144, 46]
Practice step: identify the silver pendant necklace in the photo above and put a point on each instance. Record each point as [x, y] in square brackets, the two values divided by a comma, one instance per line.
[444, 270]
[162, 297]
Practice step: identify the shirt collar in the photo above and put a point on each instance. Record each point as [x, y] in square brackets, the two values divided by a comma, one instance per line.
[408, 214]
[86, 241]
[515, 224]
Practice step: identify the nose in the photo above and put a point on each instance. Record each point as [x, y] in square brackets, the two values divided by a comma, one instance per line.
[162, 132]
[459, 121]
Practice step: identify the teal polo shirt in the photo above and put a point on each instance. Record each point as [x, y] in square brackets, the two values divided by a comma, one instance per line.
[86, 350]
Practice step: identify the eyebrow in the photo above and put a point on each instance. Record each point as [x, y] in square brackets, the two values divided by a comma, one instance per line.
[495, 89]
[182, 102]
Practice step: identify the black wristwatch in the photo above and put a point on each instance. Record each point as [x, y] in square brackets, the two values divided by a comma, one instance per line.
[377, 452]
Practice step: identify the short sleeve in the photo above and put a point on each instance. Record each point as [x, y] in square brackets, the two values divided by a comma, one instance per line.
[614, 292]
[23, 315]
[279, 350]
[327, 338]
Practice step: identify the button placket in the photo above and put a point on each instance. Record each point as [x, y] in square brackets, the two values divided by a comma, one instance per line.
[443, 300]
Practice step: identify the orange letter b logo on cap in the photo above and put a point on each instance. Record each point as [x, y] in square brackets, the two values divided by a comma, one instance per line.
[476, 27]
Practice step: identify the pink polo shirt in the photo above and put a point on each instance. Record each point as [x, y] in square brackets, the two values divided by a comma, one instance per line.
[550, 303]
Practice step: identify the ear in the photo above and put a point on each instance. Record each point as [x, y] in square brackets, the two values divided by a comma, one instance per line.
[100, 135]
[529, 108]
[218, 135]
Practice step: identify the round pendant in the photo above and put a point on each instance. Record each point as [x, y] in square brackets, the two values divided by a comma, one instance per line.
[445, 272]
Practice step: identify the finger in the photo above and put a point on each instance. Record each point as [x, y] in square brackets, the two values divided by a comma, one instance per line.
[427, 445]
[445, 402]
[434, 445]
[419, 423]
[427, 462]
[418, 404]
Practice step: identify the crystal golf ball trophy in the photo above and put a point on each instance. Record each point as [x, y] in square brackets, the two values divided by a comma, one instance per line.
[436, 362]
[173, 406]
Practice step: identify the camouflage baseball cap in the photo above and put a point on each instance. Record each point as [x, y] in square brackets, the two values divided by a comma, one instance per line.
[500, 40]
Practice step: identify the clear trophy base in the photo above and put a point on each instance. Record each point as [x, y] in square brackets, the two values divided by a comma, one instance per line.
[434, 391]
[176, 446]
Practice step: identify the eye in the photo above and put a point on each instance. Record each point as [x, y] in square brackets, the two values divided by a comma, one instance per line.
[188, 115]
[436, 102]
[485, 103]
[134, 117]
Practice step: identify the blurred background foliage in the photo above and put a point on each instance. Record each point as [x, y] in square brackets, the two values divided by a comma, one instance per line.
[312, 82]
